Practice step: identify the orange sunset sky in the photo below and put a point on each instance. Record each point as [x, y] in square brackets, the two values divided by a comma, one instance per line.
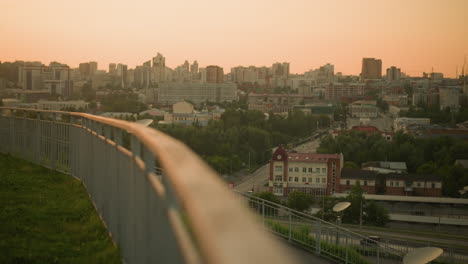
[414, 35]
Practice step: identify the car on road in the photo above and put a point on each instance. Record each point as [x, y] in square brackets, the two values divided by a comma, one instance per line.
[370, 241]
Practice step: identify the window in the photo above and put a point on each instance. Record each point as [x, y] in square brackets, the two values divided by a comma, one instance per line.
[278, 178]
[310, 179]
[304, 179]
[347, 182]
[317, 170]
[296, 179]
[365, 183]
[418, 184]
[397, 184]
[304, 169]
[433, 185]
[278, 168]
[296, 169]
[290, 179]
[324, 180]
[324, 170]
[290, 169]
[317, 180]
[391, 184]
[278, 190]
[310, 170]
[358, 182]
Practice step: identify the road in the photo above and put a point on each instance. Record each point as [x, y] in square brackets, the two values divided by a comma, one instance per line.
[256, 181]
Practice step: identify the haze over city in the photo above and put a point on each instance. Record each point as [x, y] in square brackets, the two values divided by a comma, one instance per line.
[415, 35]
[234, 132]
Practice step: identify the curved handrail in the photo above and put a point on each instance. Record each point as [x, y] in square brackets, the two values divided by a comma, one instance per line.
[224, 229]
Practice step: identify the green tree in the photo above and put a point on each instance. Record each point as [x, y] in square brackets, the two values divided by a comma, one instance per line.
[356, 198]
[375, 214]
[300, 201]
[350, 165]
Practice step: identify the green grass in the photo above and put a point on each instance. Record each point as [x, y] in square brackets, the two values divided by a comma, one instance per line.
[47, 217]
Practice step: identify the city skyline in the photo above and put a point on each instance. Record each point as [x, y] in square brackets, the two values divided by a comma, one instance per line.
[415, 36]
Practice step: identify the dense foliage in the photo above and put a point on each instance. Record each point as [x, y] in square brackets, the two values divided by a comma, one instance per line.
[244, 138]
[422, 155]
[122, 102]
[300, 201]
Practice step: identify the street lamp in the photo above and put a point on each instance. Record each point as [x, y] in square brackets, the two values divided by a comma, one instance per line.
[422, 255]
[338, 208]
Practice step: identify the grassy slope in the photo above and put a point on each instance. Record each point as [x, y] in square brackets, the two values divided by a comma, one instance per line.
[47, 217]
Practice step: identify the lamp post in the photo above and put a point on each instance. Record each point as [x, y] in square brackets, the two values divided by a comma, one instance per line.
[338, 208]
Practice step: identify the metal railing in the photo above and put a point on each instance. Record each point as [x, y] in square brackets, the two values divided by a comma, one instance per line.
[185, 215]
[335, 242]
[328, 240]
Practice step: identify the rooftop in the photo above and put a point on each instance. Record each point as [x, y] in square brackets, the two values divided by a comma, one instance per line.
[312, 157]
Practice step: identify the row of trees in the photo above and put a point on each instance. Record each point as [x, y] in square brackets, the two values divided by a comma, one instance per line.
[422, 155]
[244, 138]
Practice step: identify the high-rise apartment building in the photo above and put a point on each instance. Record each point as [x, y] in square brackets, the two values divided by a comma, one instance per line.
[371, 68]
[93, 66]
[112, 68]
[159, 69]
[85, 69]
[214, 74]
[393, 74]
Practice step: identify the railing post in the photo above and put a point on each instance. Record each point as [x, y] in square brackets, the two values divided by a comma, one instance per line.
[263, 212]
[318, 236]
[290, 227]
[53, 141]
[347, 246]
[378, 254]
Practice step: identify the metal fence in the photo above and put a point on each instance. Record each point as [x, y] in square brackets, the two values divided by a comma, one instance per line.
[328, 240]
[158, 200]
[335, 242]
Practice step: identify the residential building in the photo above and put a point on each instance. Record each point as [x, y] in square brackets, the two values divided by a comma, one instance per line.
[159, 69]
[413, 185]
[112, 68]
[371, 68]
[401, 123]
[401, 184]
[364, 109]
[317, 174]
[396, 100]
[93, 67]
[183, 113]
[324, 74]
[276, 103]
[334, 91]
[393, 74]
[449, 98]
[368, 180]
[56, 105]
[197, 93]
[214, 74]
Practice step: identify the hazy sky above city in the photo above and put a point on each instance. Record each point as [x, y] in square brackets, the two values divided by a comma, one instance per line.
[414, 35]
